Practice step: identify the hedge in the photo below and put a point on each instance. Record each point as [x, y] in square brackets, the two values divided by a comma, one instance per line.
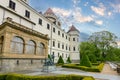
[58, 77]
[91, 69]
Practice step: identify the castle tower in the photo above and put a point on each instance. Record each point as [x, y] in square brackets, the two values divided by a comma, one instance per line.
[74, 43]
[52, 17]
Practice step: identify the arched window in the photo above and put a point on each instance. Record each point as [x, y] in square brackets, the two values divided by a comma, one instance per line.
[30, 48]
[41, 49]
[17, 45]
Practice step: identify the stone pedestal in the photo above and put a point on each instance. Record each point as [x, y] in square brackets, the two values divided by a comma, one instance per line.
[49, 68]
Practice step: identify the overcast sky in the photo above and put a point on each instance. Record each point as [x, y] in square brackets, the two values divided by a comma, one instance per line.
[88, 16]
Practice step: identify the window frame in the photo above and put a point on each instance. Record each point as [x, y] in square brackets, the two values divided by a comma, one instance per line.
[12, 4]
[27, 13]
[40, 21]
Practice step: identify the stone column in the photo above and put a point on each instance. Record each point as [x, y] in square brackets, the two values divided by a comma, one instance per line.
[7, 41]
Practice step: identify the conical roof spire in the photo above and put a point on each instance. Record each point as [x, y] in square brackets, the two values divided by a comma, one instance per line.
[49, 11]
[72, 28]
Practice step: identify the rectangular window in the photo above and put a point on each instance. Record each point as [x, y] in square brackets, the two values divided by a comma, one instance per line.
[27, 14]
[73, 48]
[62, 55]
[53, 43]
[58, 54]
[69, 48]
[40, 21]
[58, 32]
[62, 46]
[12, 5]
[58, 45]
[54, 30]
[66, 37]
[66, 55]
[73, 39]
[48, 26]
[66, 47]
[62, 34]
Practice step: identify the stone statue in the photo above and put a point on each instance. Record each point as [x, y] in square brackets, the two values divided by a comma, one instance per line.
[49, 61]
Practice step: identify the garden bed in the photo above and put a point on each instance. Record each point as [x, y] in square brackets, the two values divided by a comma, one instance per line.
[58, 77]
[94, 68]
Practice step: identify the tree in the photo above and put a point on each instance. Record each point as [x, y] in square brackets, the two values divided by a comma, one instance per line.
[92, 58]
[68, 60]
[89, 48]
[103, 40]
[60, 60]
[85, 61]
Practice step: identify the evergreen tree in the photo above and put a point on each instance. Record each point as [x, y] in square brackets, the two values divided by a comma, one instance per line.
[60, 60]
[85, 61]
[69, 60]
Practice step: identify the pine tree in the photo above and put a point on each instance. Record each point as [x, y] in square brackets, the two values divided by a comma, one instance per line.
[60, 60]
[85, 61]
[69, 60]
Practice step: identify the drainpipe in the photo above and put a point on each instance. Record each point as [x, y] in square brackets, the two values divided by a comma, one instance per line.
[51, 39]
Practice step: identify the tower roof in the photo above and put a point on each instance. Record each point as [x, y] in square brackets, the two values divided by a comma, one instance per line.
[49, 11]
[72, 28]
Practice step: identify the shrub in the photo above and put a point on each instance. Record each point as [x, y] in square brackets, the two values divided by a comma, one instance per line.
[88, 78]
[68, 60]
[91, 69]
[85, 61]
[2, 76]
[58, 77]
[60, 60]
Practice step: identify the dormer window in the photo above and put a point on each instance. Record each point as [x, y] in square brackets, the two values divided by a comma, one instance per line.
[12, 4]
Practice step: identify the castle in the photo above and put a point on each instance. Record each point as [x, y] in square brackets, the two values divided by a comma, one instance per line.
[27, 37]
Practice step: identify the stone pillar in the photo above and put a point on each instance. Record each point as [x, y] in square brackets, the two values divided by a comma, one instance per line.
[7, 42]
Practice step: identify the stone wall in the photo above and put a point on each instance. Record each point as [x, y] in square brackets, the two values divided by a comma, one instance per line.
[10, 65]
[10, 61]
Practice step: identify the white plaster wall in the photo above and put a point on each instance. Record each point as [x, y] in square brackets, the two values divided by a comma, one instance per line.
[1, 15]
[34, 17]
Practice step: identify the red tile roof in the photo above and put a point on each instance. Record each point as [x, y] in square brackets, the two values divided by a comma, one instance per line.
[73, 29]
[49, 11]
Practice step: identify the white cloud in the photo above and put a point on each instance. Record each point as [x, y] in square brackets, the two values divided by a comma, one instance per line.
[80, 18]
[62, 12]
[98, 10]
[76, 1]
[116, 7]
[109, 13]
[99, 22]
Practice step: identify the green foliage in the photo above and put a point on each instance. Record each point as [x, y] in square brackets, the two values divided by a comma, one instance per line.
[113, 54]
[58, 77]
[88, 78]
[60, 60]
[68, 60]
[85, 61]
[89, 49]
[91, 69]
[2, 76]
[103, 41]
[92, 58]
